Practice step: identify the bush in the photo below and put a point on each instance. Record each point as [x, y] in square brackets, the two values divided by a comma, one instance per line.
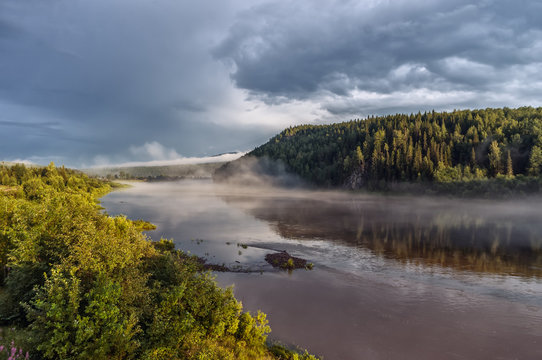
[83, 285]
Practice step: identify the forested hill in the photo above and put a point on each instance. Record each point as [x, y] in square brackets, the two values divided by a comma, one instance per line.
[458, 146]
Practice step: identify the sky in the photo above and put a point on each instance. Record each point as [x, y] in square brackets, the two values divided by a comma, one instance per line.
[102, 82]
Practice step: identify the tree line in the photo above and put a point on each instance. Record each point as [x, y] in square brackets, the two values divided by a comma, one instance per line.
[458, 146]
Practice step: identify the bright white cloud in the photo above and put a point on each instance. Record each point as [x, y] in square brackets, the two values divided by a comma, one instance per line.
[153, 151]
[103, 161]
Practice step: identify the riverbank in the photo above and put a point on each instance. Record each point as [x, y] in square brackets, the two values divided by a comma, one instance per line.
[501, 187]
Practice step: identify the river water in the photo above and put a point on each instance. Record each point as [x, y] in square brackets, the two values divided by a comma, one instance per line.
[394, 277]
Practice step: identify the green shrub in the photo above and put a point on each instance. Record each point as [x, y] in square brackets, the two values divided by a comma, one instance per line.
[83, 285]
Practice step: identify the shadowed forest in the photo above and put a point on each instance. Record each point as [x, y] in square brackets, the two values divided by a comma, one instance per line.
[467, 152]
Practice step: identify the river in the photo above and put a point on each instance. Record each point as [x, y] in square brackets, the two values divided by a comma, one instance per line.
[394, 277]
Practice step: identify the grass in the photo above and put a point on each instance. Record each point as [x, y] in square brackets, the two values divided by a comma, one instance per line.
[285, 261]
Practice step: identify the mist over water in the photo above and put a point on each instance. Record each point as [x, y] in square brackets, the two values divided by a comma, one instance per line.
[260, 173]
[395, 277]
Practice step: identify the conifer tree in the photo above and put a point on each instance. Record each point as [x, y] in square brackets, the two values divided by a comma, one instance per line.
[509, 166]
[535, 161]
[494, 158]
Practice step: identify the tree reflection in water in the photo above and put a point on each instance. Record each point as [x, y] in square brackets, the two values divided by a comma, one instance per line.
[474, 235]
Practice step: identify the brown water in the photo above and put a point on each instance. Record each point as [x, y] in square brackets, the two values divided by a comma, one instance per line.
[394, 277]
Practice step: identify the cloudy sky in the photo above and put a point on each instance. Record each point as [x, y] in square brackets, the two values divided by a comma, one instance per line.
[89, 82]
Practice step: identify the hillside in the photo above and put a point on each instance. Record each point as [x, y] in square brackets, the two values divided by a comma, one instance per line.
[489, 145]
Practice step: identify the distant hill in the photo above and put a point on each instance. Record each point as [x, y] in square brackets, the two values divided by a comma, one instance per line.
[190, 167]
[495, 145]
[156, 172]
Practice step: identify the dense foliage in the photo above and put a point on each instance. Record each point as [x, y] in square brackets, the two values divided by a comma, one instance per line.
[82, 285]
[458, 146]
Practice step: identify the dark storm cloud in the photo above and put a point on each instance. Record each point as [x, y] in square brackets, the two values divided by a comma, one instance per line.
[116, 72]
[80, 57]
[84, 80]
[296, 49]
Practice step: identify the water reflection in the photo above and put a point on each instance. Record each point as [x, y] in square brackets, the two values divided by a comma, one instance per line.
[366, 298]
[482, 236]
